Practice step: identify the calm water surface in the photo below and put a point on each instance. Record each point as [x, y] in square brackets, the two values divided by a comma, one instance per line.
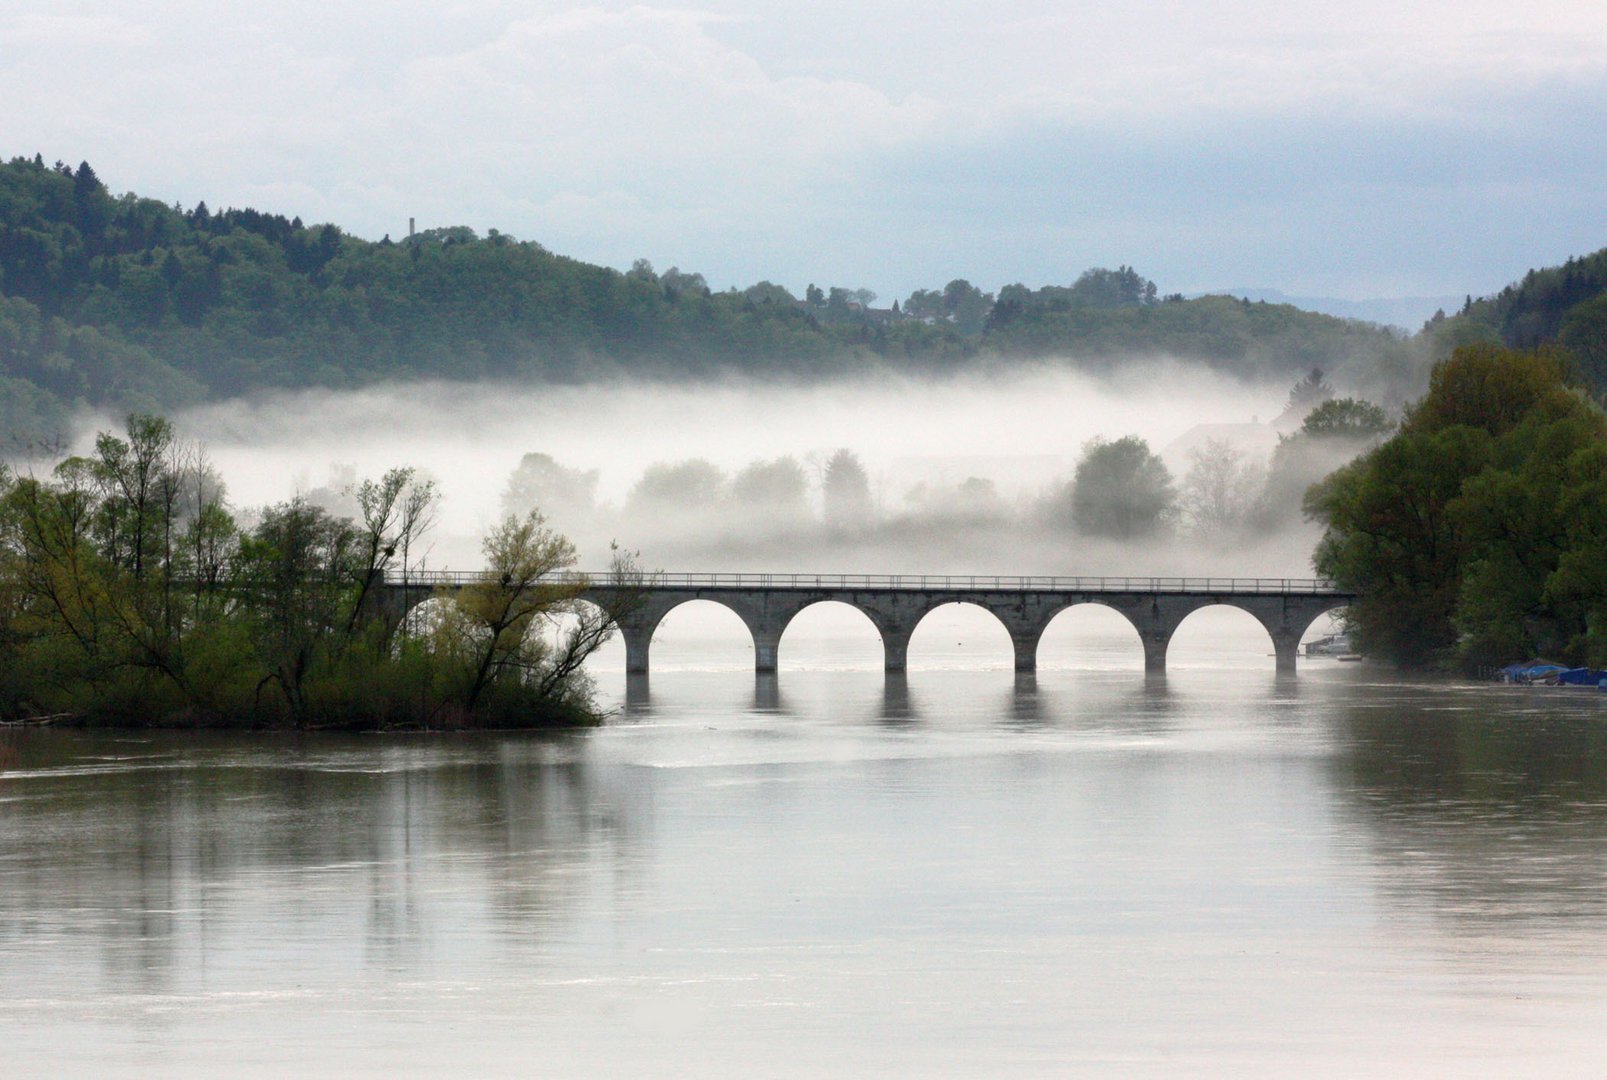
[959, 873]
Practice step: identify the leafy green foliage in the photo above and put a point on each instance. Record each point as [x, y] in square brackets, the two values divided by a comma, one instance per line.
[1329, 437]
[130, 595]
[1345, 418]
[1471, 535]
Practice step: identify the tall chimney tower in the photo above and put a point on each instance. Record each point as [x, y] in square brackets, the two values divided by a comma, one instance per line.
[409, 228]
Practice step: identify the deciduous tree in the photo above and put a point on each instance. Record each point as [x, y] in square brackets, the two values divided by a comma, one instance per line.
[1121, 489]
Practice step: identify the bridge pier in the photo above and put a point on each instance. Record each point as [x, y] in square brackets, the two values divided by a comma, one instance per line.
[638, 695]
[637, 639]
[1026, 649]
[895, 649]
[766, 692]
[1155, 652]
[1286, 619]
[766, 645]
[1285, 647]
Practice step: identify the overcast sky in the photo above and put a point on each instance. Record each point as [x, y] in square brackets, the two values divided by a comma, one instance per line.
[1367, 149]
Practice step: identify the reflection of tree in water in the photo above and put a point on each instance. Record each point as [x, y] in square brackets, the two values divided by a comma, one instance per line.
[10, 746]
[537, 814]
[1492, 816]
[158, 850]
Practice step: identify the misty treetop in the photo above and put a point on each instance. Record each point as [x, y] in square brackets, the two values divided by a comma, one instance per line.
[777, 511]
[1345, 417]
[1121, 490]
[1477, 534]
[128, 303]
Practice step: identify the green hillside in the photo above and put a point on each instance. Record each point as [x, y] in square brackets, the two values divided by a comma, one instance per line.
[1564, 305]
[125, 302]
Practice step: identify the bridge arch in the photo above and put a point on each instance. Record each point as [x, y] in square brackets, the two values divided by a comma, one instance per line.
[841, 613]
[1317, 617]
[1288, 621]
[951, 619]
[1095, 631]
[1220, 634]
[556, 629]
[1284, 619]
[418, 619]
[642, 625]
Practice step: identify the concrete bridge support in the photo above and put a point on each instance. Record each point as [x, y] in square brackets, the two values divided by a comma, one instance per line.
[637, 639]
[766, 616]
[766, 647]
[1286, 647]
[1024, 616]
[1155, 646]
[1025, 645]
[896, 648]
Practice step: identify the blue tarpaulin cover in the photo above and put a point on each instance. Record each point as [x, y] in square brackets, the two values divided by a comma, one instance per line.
[1582, 677]
[1531, 670]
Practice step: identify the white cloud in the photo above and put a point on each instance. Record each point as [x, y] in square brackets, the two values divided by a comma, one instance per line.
[889, 144]
[59, 31]
[615, 84]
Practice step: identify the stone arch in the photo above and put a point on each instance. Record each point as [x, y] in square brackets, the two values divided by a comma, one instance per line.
[1251, 616]
[415, 616]
[395, 603]
[1118, 616]
[639, 626]
[1287, 618]
[964, 601]
[811, 604]
[1305, 620]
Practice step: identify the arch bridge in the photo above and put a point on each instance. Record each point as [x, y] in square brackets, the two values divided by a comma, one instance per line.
[896, 603]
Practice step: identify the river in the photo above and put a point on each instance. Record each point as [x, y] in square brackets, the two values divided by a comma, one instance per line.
[961, 872]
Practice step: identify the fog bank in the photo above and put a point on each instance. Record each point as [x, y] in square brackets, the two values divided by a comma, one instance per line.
[920, 439]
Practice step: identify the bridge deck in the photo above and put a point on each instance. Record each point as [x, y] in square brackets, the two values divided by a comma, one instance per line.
[927, 583]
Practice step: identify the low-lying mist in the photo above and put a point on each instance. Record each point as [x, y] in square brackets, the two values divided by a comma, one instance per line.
[963, 475]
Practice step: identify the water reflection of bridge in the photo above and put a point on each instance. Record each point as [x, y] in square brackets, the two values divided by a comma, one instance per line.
[896, 604]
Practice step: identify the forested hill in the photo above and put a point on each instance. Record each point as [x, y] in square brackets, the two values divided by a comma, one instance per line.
[125, 302]
[1564, 305]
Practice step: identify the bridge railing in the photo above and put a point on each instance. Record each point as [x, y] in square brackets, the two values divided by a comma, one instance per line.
[913, 582]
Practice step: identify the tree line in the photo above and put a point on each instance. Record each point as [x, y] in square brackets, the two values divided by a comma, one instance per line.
[132, 593]
[123, 302]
